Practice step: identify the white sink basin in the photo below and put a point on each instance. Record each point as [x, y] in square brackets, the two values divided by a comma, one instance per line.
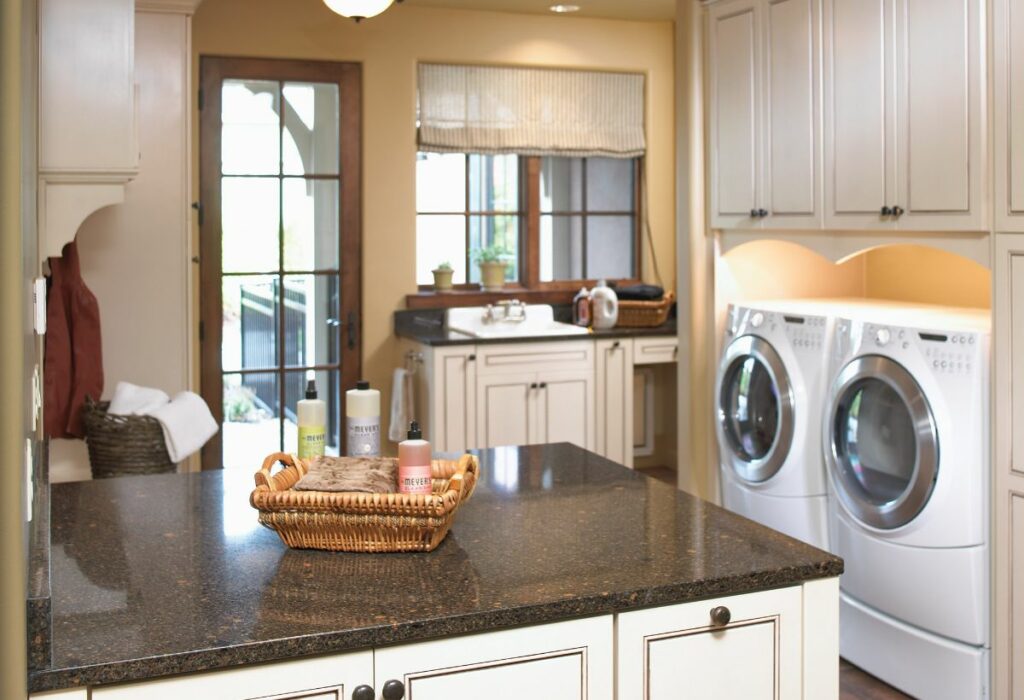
[509, 321]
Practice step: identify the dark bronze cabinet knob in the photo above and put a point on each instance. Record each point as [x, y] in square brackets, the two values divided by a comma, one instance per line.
[753, 213]
[533, 385]
[720, 616]
[471, 358]
[364, 692]
[897, 211]
[393, 690]
[543, 385]
[762, 213]
[887, 211]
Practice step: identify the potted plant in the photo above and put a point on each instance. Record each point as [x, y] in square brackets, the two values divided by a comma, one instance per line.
[443, 277]
[492, 261]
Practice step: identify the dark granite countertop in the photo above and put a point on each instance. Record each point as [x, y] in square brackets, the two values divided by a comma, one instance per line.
[427, 326]
[166, 574]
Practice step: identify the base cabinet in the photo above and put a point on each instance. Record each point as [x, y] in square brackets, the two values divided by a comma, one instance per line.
[778, 644]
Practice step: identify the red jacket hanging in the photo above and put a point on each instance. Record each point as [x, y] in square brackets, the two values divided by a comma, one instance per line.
[73, 359]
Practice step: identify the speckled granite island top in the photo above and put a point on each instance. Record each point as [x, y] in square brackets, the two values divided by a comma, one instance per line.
[158, 575]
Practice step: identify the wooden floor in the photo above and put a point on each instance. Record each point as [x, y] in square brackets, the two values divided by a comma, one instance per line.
[854, 684]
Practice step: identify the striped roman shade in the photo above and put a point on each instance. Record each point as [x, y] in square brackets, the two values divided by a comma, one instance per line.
[530, 111]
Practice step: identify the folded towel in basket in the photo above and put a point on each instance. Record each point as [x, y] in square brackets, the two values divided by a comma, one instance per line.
[129, 399]
[187, 424]
[366, 474]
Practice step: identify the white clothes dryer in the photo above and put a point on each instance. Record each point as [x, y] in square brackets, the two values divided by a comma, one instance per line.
[905, 435]
[770, 392]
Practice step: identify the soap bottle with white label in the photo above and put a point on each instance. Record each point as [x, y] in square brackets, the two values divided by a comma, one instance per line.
[414, 467]
[362, 411]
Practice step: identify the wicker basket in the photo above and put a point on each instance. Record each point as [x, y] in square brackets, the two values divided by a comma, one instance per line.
[645, 314]
[361, 522]
[123, 445]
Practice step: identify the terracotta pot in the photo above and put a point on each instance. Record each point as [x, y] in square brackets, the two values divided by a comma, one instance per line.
[443, 280]
[492, 276]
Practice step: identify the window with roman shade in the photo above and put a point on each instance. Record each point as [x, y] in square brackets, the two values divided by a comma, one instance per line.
[541, 163]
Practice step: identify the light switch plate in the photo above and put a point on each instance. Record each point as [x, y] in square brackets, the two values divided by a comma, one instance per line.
[39, 304]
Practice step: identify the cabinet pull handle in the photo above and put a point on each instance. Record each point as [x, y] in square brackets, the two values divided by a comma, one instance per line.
[897, 211]
[533, 385]
[364, 692]
[393, 690]
[543, 385]
[720, 616]
[753, 213]
[615, 345]
[886, 211]
[762, 213]
[471, 358]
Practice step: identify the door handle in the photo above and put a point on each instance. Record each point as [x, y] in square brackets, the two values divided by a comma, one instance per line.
[353, 330]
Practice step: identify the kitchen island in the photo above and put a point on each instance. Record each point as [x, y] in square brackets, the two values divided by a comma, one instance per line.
[557, 552]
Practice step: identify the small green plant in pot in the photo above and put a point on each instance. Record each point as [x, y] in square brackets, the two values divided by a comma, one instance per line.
[492, 261]
[443, 277]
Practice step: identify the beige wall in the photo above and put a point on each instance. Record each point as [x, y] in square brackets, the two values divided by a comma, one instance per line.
[389, 46]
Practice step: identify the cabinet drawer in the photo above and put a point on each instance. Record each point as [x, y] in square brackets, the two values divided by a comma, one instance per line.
[535, 357]
[653, 351]
[664, 649]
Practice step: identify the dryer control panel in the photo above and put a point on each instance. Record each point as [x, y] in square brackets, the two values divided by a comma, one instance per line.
[804, 331]
[945, 353]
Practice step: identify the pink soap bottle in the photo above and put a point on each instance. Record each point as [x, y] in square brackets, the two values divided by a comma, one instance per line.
[414, 463]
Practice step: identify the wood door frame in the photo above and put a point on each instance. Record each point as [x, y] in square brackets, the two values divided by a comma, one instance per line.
[213, 70]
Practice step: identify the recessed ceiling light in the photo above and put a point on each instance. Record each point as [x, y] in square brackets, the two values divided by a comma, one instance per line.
[561, 9]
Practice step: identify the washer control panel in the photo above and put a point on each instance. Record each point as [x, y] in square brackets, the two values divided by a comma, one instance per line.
[945, 353]
[804, 331]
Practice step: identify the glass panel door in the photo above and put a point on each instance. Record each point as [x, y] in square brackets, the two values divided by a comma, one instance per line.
[279, 244]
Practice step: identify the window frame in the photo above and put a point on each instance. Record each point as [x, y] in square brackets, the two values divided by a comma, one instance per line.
[529, 283]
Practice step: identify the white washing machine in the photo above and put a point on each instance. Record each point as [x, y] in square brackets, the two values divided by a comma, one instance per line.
[905, 435]
[770, 393]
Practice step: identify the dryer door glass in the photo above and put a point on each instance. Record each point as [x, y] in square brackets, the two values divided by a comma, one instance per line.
[884, 455]
[755, 409]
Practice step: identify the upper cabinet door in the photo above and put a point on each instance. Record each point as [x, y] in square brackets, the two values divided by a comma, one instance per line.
[734, 49]
[792, 114]
[940, 102]
[1008, 68]
[860, 171]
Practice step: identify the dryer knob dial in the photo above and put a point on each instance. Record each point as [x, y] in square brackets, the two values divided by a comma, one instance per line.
[882, 336]
[757, 319]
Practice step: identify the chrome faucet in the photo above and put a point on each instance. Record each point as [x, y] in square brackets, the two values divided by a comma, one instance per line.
[509, 311]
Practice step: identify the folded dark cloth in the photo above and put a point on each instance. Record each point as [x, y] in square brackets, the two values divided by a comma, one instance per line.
[639, 292]
[366, 474]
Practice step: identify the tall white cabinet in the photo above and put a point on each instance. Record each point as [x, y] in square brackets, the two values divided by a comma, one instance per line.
[765, 112]
[905, 115]
[1008, 94]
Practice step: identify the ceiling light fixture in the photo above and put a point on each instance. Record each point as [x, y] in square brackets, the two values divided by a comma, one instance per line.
[359, 9]
[562, 9]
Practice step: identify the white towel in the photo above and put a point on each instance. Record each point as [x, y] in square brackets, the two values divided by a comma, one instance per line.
[129, 399]
[187, 424]
[401, 405]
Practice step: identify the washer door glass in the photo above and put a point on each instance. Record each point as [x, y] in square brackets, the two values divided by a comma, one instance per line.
[755, 409]
[884, 445]
[751, 403]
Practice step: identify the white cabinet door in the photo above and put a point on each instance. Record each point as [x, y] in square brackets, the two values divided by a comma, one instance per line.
[940, 101]
[1008, 69]
[757, 655]
[504, 409]
[561, 661]
[614, 404]
[1008, 468]
[563, 408]
[734, 49]
[792, 114]
[860, 169]
[317, 678]
[452, 390]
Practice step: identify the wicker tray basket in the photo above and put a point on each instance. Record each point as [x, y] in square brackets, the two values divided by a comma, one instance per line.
[361, 522]
[645, 314]
[123, 445]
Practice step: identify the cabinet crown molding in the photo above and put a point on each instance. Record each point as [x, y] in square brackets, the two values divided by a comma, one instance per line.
[177, 7]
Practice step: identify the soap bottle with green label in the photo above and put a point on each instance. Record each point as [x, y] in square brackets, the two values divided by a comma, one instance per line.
[311, 413]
